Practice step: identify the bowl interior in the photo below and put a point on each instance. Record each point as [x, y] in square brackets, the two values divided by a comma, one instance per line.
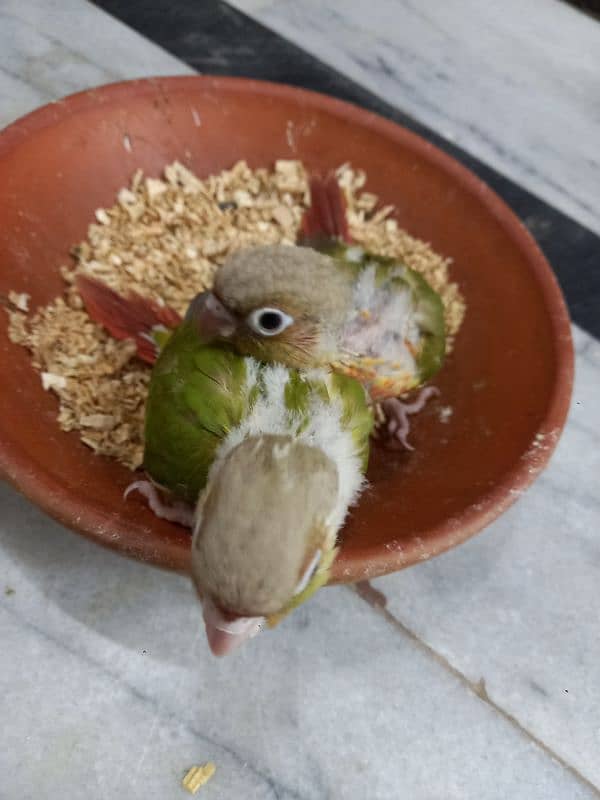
[507, 384]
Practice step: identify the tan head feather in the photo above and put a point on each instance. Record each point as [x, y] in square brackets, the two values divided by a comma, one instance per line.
[307, 286]
[261, 523]
[282, 274]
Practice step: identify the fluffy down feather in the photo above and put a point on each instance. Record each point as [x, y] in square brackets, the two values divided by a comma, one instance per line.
[324, 429]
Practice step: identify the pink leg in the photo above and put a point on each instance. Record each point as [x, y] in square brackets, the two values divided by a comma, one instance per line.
[397, 412]
[178, 511]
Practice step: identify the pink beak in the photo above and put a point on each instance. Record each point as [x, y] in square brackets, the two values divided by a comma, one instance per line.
[211, 317]
[225, 635]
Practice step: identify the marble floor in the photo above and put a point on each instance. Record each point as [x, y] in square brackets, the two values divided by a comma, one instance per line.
[516, 83]
[471, 676]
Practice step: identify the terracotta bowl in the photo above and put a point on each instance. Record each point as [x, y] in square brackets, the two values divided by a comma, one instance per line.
[508, 382]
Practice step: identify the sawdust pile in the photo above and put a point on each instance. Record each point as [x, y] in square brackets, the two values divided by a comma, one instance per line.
[164, 238]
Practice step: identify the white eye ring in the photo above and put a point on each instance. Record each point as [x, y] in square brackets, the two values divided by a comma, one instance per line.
[269, 321]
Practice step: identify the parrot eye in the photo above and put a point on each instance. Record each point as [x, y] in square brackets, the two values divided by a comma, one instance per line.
[269, 321]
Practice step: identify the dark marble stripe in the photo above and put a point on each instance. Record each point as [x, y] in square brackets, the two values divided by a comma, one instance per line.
[212, 37]
[591, 7]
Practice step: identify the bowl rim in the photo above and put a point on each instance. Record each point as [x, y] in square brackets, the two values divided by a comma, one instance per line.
[60, 502]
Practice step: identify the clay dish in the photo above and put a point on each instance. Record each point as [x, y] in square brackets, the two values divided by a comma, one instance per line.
[508, 382]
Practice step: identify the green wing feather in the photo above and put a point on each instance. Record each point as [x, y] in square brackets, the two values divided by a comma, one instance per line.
[197, 395]
[357, 414]
[430, 314]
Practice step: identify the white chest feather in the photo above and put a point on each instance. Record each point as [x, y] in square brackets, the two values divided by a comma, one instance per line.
[324, 430]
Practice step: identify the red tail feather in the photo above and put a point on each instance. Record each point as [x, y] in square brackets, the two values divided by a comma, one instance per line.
[133, 317]
[326, 218]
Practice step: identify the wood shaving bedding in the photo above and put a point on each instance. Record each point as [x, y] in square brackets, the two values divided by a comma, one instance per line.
[165, 238]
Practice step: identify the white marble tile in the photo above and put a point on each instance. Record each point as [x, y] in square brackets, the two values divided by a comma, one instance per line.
[110, 692]
[79, 732]
[75, 47]
[515, 83]
[519, 606]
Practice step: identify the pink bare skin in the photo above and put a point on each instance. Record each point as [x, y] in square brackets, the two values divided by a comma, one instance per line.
[177, 511]
[397, 412]
[226, 632]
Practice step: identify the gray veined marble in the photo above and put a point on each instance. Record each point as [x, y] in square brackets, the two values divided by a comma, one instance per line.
[111, 692]
[516, 84]
[519, 605]
[50, 48]
[106, 686]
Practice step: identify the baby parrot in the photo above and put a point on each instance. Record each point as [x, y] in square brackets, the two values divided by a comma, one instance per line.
[262, 461]
[332, 304]
[275, 499]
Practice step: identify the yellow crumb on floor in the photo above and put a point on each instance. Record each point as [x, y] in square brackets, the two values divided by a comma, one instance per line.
[197, 776]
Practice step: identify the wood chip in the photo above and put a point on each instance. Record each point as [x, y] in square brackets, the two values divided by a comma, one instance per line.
[100, 422]
[52, 381]
[20, 301]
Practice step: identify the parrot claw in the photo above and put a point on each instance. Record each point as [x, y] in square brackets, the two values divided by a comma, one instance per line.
[396, 413]
[177, 511]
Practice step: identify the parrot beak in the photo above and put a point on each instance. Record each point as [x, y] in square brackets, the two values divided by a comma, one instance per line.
[225, 633]
[211, 317]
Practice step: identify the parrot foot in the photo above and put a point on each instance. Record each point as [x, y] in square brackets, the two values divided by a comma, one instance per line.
[178, 511]
[396, 414]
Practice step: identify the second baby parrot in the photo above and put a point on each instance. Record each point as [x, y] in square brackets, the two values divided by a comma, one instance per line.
[262, 461]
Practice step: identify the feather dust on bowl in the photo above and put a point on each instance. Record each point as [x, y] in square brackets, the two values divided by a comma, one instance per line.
[508, 381]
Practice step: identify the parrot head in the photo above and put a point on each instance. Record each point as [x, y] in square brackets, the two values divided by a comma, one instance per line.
[263, 538]
[279, 303]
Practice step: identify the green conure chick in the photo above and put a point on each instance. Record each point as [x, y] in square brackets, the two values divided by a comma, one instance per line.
[332, 304]
[262, 461]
